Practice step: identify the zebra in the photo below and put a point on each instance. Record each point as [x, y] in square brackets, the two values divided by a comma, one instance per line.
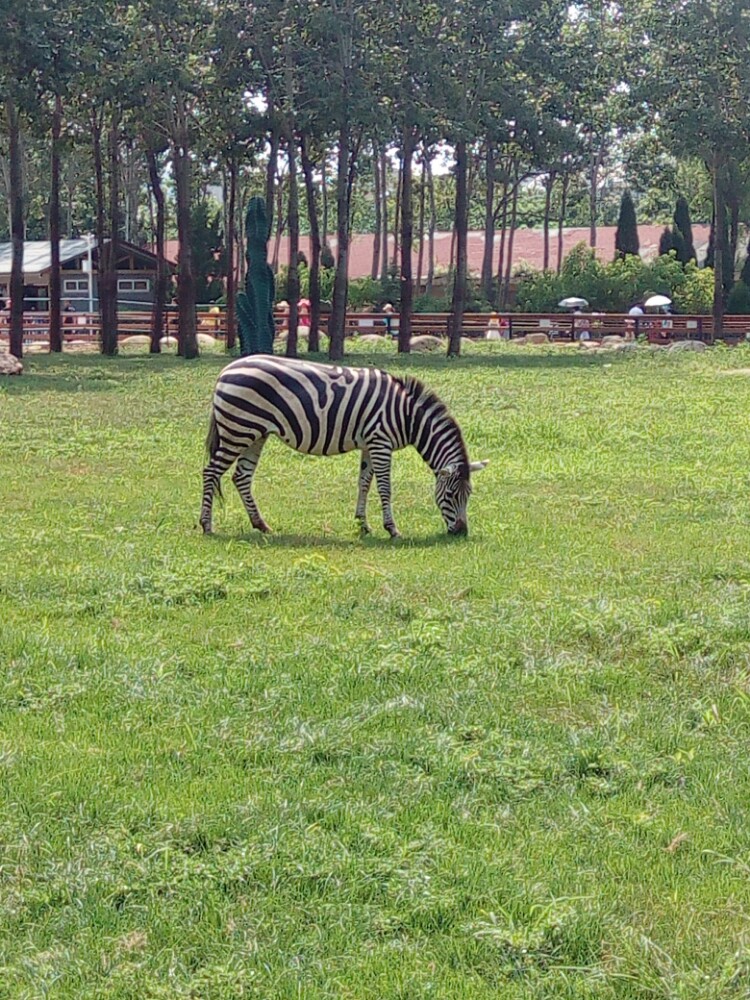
[325, 410]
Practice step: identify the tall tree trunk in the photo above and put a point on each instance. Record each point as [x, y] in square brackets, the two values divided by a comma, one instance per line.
[596, 163]
[548, 185]
[511, 238]
[503, 240]
[186, 285]
[55, 326]
[376, 240]
[16, 228]
[271, 171]
[341, 282]
[561, 219]
[313, 343]
[432, 228]
[279, 227]
[231, 253]
[489, 222]
[407, 239]
[384, 214]
[162, 277]
[462, 237]
[109, 321]
[292, 280]
[397, 215]
[101, 249]
[324, 196]
[719, 243]
[422, 199]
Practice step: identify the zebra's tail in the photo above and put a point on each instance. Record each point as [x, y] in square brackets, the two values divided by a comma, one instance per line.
[212, 446]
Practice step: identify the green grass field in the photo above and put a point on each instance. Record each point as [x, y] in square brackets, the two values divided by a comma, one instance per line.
[311, 765]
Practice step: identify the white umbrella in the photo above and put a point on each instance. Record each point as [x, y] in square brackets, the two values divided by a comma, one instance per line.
[656, 301]
[572, 303]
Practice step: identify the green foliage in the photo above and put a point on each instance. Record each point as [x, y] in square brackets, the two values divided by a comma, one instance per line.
[626, 236]
[255, 304]
[615, 286]
[683, 225]
[738, 302]
[207, 242]
[696, 294]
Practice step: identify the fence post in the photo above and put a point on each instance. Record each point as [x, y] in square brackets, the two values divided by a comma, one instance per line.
[510, 326]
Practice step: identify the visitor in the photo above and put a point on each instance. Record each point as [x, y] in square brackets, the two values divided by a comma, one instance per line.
[581, 325]
[636, 309]
[68, 307]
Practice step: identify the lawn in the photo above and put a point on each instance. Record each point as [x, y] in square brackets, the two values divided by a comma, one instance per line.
[312, 765]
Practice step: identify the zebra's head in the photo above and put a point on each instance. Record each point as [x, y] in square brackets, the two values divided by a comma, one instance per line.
[452, 492]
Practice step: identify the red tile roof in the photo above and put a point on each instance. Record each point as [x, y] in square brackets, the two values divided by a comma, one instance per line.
[528, 247]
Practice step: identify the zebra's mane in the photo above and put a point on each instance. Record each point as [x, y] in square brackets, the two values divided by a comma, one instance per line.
[426, 398]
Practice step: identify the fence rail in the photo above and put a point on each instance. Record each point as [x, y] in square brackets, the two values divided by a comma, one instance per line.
[85, 327]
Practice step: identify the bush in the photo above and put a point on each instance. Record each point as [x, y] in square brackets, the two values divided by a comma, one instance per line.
[738, 303]
[696, 295]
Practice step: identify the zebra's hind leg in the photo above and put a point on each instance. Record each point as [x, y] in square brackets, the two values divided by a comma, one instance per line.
[243, 480]
[381, 464]
[365, 479]
[217, 466]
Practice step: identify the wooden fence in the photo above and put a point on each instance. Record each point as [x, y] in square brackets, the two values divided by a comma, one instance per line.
[84, 327]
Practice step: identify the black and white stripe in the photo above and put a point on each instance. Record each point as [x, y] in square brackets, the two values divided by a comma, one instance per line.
[325, 410]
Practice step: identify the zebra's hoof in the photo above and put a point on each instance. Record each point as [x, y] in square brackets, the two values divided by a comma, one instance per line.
[364, 529]
[394, 532]
[263, 528]
[207, 529]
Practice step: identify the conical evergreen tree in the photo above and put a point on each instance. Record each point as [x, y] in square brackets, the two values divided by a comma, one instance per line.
[684, 226]
[666, 242]
[626, 237]
[745, 272]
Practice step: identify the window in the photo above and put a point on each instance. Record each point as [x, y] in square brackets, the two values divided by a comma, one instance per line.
[133, 285]
[76, 285]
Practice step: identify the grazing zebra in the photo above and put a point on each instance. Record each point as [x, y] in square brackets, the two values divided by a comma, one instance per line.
[324, 410]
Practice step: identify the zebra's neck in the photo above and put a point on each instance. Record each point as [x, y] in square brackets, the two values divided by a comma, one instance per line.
[433, 431]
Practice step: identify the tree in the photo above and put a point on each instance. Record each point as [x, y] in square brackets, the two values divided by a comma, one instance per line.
[626, 236]
[708, 115]
[684, 226]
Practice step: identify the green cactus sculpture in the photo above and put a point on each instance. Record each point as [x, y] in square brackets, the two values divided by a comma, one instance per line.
[255, 304]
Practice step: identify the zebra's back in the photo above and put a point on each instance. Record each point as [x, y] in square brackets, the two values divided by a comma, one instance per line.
[315, 409]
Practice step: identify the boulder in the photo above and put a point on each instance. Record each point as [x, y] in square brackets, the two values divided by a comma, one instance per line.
[426, 342]
[611, 339]
[688, 345]
[206, 340]
[137, 340]
[10, 365]
[168, 341]
[536, 338]
[370, 338]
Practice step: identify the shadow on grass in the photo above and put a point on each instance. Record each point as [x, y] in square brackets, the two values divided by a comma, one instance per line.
[95, 373]
[294, 541]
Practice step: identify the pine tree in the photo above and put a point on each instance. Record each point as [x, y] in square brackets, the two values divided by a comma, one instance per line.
[667, 242]
[626, 237]
[684, 227]
[745, 272]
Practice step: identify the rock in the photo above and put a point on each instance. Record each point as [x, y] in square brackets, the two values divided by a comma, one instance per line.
[536, 338]
[206, 340]
[688, 345]
[168, 342]
[138, 340]
[611, 339]
[426, 342]
[370, 338]
[10, 365]
[627, 346]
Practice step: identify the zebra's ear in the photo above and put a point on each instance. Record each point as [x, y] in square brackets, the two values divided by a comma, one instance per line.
[478, 466]
[449, 470]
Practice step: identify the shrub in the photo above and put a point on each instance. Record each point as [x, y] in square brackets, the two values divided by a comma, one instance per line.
[696, 294]
[738, 302]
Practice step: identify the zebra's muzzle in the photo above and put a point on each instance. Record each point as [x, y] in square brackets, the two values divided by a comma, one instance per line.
[459, 528]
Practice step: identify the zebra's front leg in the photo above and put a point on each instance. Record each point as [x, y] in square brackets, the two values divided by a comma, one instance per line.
[243, 480]
[212, 474]
[381, 464]
[365, 479]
